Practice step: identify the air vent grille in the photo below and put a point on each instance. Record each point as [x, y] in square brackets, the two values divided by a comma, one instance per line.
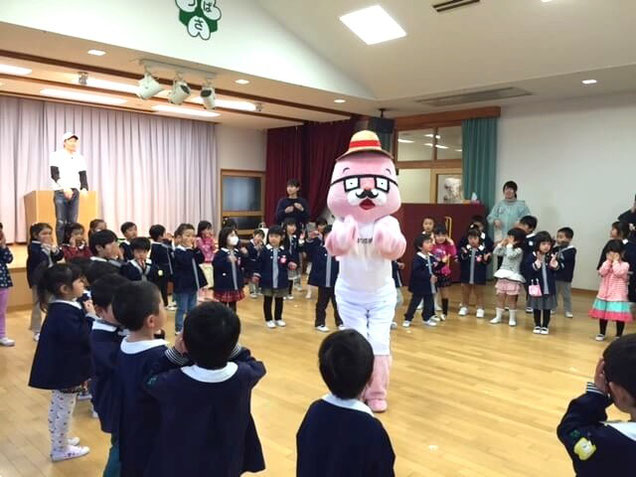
[452, 5]
[476, 97]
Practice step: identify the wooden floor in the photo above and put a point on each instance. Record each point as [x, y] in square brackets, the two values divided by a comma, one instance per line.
[466, 398]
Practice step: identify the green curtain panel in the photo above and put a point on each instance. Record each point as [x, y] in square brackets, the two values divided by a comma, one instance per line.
[480, 159]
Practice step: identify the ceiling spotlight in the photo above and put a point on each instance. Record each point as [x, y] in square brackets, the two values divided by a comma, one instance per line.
[589, 82]
[148, 86]
[259, 107]
[82, 78]
[242, 81]
[208, 96]
[180, 91]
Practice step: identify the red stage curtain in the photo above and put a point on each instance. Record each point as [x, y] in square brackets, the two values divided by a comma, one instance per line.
[284, 162]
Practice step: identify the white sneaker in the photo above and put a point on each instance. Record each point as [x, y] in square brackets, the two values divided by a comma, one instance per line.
[253, 295]
[299, 287]
[434, 318]
[290, 297]
[270, 324]
[442, 317]
[568, 314]
[406, 324]
[393, 325]
[280, 323]
[343, 327]
[430, 322]
[323, 328]
[463, 311]
[71, 452]
[36, 336]
[496, 320]
[84, 396]
[95, 415]
[600, 337]
[8, 342]
[537, 330]
[529, 310]
[545, 331]
[308, 295]
[512, 322]
[73, 441]
[480, 313]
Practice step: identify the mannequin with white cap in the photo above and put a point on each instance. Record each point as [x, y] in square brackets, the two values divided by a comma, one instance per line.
[68, 180]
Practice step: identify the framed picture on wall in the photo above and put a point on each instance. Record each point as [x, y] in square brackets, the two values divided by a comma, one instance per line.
[447, 186]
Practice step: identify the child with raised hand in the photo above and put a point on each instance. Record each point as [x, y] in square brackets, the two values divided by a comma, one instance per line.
[207, 244]
[541, 267]
[228, 273]
[597, 446]
[474, 258]
[104, 247]
[129, 231]
[477, 222]
[567, 256]
[509, 277]
[106, 336]
[528, 224]
[271, 274]
[317, 234]
[339, 437]
[75, 245]
[139, 308]
[254, 248]
[6, 257]
[42, 253]
[140, 268]
[215, 430]
[162, 255]
[62, 361]
[445, 252]
[423, 280]
[293, 244]
[612, 303]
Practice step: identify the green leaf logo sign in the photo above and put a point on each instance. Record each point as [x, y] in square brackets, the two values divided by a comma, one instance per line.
[201, 17]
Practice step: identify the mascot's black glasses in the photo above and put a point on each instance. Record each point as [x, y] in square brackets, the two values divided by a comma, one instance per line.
[353, 182]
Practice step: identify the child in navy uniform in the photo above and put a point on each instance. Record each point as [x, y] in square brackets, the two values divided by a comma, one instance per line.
[541, 267]
[62, 361]
[139, 308]
[479, 223]
[254, 248]
[129, 230]
[228, 275]
[339, 437]
[397, 266]
[106, 337]
[474, 258]
[324, 272]
[294, 244]
[598, 447]
[188, 277]
[214, 433]
[271, 274]
[140, 268]
[42, 254]
[528, 224]
[5, 284]
[567, 256]
[103, 245]
[423, 280]
[162, 255]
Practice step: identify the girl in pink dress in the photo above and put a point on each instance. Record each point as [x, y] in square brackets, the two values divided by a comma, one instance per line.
[444, 250]
[611, 303]
[206, 243]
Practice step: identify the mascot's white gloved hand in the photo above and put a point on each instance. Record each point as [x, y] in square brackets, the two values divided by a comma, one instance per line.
[388, 239]
[343, 237]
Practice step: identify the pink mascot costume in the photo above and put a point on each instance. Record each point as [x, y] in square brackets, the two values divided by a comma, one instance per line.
[365, 238]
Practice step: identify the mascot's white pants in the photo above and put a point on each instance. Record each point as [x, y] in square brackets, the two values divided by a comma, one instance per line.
[370, 314]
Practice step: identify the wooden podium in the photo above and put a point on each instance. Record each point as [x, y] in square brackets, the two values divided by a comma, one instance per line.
[39, 207]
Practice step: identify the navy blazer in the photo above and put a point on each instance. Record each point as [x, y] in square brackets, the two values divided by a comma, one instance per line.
[483, 239]
[478, 261]
[320, 258]
[567, 256]
[38, 259]
[126, 250]
[249, 264]
[188, 276]
[162, 255]
[265, 268]
[294, 247]
[422, 269]
[397, 273]
[534, 275]
[133, 271]
[228, 276]
[63, 355]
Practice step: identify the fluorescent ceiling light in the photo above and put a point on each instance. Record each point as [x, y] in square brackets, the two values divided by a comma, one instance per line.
[373, 25]
[164, 108]
[439, 146]
[589, 81]
[96, 52]
[406, 141]
[227, 103]
[458, 150]
[546, 1]
[434, 135]
[112, 85]
[339, 101]
[14, 70]
[429, 144]
[77, 96]
[242, 81]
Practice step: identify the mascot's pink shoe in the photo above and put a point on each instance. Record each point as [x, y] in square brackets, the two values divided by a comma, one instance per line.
[375, 394]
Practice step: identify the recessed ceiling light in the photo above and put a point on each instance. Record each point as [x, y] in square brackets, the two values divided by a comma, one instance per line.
[14, 70]
[186, 111]
[546, 1]
[242, 81]
[458, 150]
[406, 141]
[96, 52]
[589, 81]
[112, 85]
[85, 97]
[339, 100]
[373, 25]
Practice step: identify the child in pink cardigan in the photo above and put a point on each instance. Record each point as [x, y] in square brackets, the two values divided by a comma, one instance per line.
[445, 251]
[206, 243]
[611, 303]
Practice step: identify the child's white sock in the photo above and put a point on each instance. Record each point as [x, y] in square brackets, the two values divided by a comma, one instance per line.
[513, 317]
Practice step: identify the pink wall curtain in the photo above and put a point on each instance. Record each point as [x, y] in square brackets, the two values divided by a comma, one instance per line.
[145, 168]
